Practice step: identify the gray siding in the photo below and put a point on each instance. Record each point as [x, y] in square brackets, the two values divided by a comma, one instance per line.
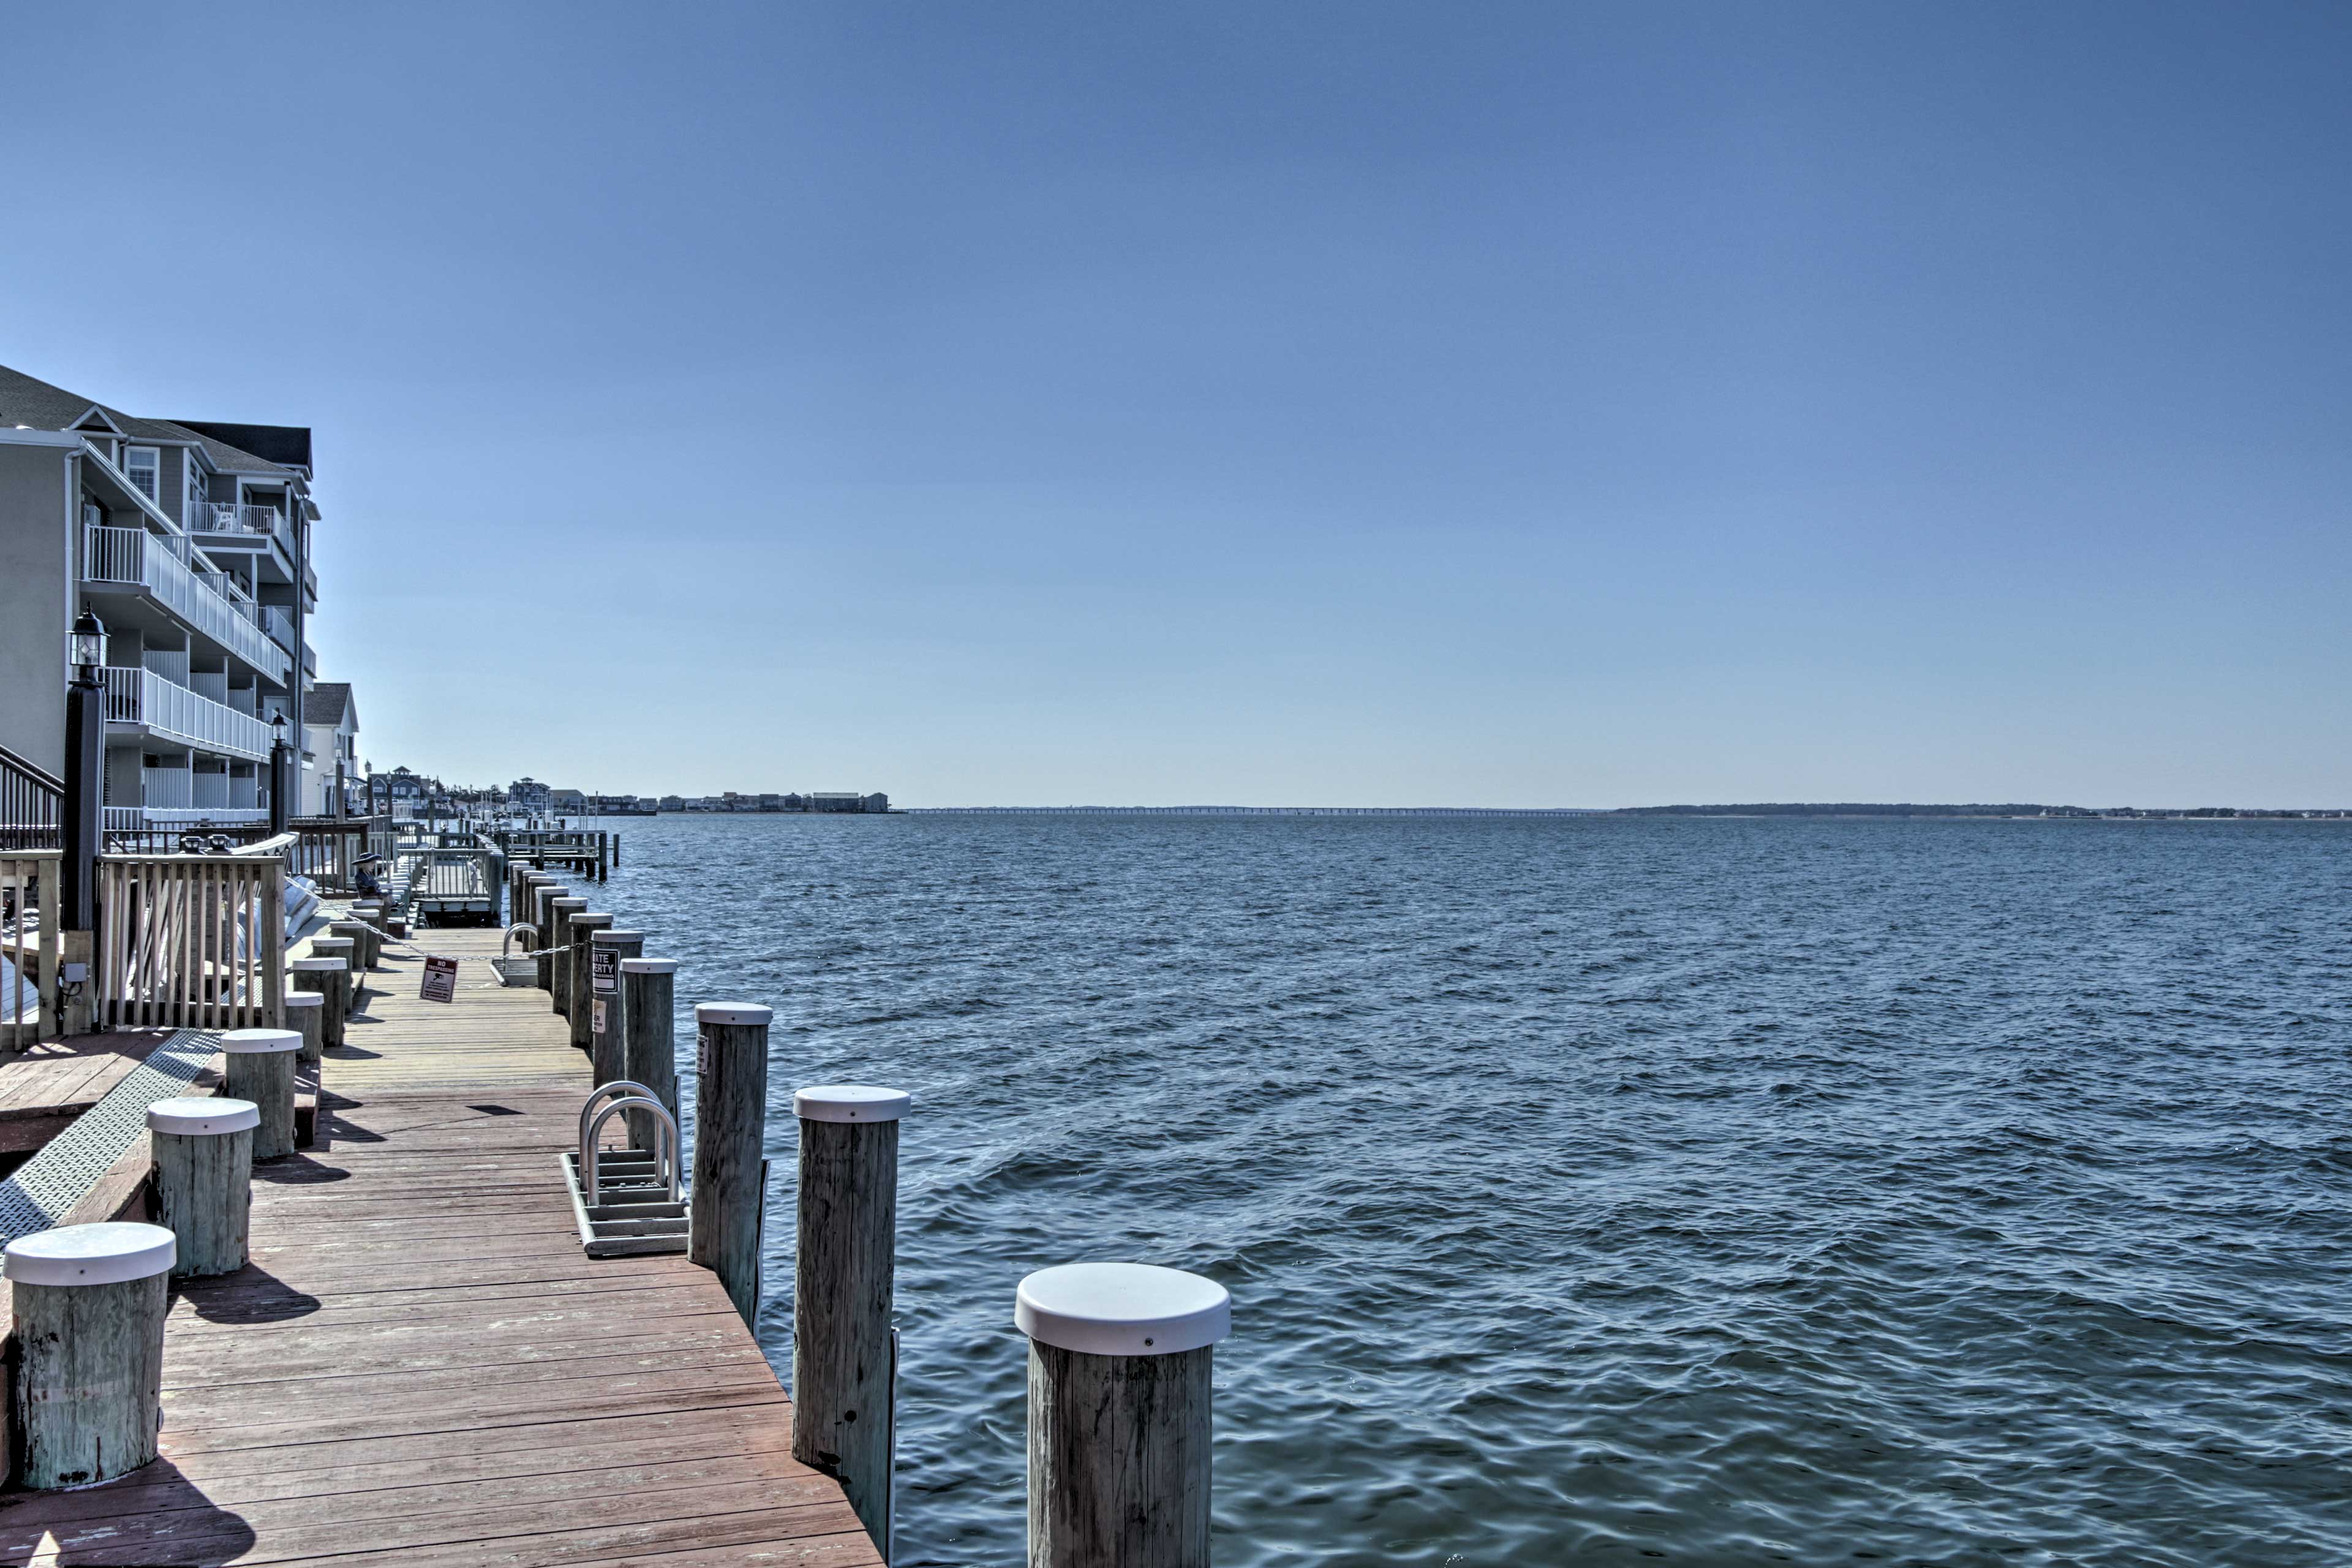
[35, 599]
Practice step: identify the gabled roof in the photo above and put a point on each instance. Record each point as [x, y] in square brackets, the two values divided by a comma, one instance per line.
[327, 703]
[25, 400]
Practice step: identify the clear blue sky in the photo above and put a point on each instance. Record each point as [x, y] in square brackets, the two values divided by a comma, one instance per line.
[1352, 404]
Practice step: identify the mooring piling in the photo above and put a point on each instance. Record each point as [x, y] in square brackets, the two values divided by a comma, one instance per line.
[331, 979]
[648, 1038]
[607, 1005]
[845, 1357]
[306, 1015]
[260, 1068]
[731, 1097]
[89, 1304]
[558, 941]
[203, 1179]
[578, 930]
[545, 890]
[1119, 1363]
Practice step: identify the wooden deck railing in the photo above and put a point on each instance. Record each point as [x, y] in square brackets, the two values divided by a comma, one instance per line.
[28, 968]
[191, 941]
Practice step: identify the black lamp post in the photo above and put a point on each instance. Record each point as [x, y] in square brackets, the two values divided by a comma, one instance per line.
[281, 773]
[81, 816]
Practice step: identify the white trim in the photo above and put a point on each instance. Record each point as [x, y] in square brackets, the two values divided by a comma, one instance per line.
[60, 438]
[79, 420]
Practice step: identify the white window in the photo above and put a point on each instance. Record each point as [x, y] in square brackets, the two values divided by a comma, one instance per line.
[196, 515]
[144, 466]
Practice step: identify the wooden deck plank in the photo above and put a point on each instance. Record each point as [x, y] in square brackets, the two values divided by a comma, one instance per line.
[420, 1365]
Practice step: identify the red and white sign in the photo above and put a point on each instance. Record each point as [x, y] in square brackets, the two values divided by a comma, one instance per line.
[440, 980]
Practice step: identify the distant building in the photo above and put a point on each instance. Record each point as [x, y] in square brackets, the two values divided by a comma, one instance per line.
[529, 797]
[330, 749]
[847, 800]
[672, 802]
[567, 802]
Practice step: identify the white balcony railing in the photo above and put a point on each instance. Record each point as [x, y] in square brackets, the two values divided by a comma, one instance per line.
[221, 517]
[278, 625]
[144, 697]
[134, 557]
[135, 818]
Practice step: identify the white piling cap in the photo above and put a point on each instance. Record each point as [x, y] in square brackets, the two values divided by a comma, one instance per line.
[1122, 1309]
[315, 965]
[304, 999]
[332, 943]
[105, 1254]
[850, 1103]
[254, 1041]
[597, 936]
[733, 1013]
[650, 966]
[201, 1113]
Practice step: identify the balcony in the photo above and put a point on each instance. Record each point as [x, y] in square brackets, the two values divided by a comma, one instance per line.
[241, 521]
[134, 558]
[280, 626]
[143, 698]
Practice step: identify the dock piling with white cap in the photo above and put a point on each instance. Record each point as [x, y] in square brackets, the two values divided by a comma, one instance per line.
[1119, 1361]
[306, 1015]
[204, 1178]
[331, 979]
[649, 1038]
[89, 1302]
[607, 950]
[731, 1099]
[261, 1069]
[843, 1359]
[364, 938]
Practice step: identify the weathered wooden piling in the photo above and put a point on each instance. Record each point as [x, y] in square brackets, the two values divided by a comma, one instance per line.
[363, 939]
[89, 1306]
[306, 1015]
[844, 1360]
[558, 940]
[204, 1178]
[347, 949]
[260, 1068]
[544, 890]
[331, 978]
[1119, 1361]
[578, 929]
[730, 1101]
[648, 1038]
[606, 1004]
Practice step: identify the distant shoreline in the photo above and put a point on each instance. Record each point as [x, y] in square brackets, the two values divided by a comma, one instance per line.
[1846, 812]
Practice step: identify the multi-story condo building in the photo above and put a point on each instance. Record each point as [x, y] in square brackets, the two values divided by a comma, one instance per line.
[191, 541]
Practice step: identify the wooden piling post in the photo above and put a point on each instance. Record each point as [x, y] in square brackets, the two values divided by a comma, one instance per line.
[89, 1303]
[1119, 1413]
[363, 938]
[581, 1016]
[261, 1068]
[203, 1179]
[331, 978]
[545, 889]
[842, 1360]
[560, 911]
[306, 1015]
[730, 1104]
[606, 1004]
[648, 1038]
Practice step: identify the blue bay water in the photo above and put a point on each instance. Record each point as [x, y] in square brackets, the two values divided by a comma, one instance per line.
[1601, 1190]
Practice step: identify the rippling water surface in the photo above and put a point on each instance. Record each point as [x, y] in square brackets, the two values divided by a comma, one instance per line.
[1712, 1191]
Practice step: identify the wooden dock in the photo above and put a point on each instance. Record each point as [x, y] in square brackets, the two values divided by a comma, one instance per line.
[420, 1366]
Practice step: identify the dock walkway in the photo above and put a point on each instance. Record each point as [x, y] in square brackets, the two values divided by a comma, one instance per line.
[420, 1366]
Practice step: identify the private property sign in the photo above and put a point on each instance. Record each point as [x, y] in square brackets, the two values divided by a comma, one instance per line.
[440, 980]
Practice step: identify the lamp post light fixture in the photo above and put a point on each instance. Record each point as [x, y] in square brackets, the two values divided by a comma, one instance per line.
[282, 775]
[86, 648]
